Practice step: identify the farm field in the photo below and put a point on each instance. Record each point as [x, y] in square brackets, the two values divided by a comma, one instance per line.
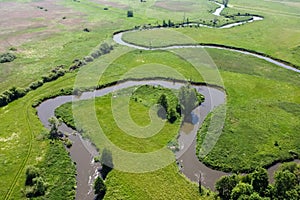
[48, 38]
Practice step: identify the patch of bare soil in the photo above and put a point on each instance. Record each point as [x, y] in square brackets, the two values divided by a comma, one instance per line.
[23, 22]
[112, 4]
[175, 5]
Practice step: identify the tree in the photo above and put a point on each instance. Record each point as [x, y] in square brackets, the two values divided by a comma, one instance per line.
[189, 100]
[285, 181]
[240, 190]
[39, 186]
[54, 124]
[163, 102]
[105, 48]
[260, 180]
[225, 185]
[172, 116]
[31, 173]
[225, 3]
[99, 186]
[129, 13]
[164, 23]
[162, 112]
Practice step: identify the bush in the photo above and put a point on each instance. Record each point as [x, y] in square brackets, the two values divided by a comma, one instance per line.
[36, 84]
[88, 59]
[96, 54]
[7, 57]
[105, 48]
[68, 143]
[12, 94]
[99, 186]
[31, 173]
[129, 13]
[38, 188]
[172, 116]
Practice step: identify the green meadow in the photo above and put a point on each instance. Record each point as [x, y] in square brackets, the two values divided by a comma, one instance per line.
[262, 103]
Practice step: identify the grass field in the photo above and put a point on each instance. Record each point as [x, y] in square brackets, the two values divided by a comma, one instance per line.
[280, 26]
[263, 100]
[257, 91]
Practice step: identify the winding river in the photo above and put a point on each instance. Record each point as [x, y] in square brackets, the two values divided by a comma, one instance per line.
[82, 151]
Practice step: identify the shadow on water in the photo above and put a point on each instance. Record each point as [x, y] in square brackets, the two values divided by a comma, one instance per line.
[106, 162]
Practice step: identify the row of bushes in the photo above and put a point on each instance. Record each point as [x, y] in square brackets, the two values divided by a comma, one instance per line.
[59, 71]
[102, 50]
[14, 93]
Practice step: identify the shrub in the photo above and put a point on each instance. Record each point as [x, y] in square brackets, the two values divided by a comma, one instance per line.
[99, 186]
[96, 54]
[13, 49]
[68, 143]
[105, 48]
[36, 84]
[129, 13]
[31, 173]
[88, 59]
[38, 188]
[7, 57]
[172, 116]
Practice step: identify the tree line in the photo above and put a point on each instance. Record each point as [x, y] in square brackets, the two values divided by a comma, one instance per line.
[256, 186]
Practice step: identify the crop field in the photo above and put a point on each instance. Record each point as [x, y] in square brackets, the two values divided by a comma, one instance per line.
[261, 126]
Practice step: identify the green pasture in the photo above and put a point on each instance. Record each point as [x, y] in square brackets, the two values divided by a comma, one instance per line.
[262, 99]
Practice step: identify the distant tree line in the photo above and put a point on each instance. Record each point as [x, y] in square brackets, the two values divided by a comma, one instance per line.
[15, 93]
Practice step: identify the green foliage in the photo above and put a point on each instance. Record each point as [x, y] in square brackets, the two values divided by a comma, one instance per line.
[53, 75]
[11, 95]
[189, 100]
[32, 172]
[37, 189]
[68, 143]
[58, 172]
[163, 102]
[88, 59]
[129, 13]
[241, 190]
[255, 185]
[99, 186]
[172, 115]
[54, 124]
[260, 180]
[36, 84]
[7, 57]
[225, 185]
[285, 183]
[35, 185]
